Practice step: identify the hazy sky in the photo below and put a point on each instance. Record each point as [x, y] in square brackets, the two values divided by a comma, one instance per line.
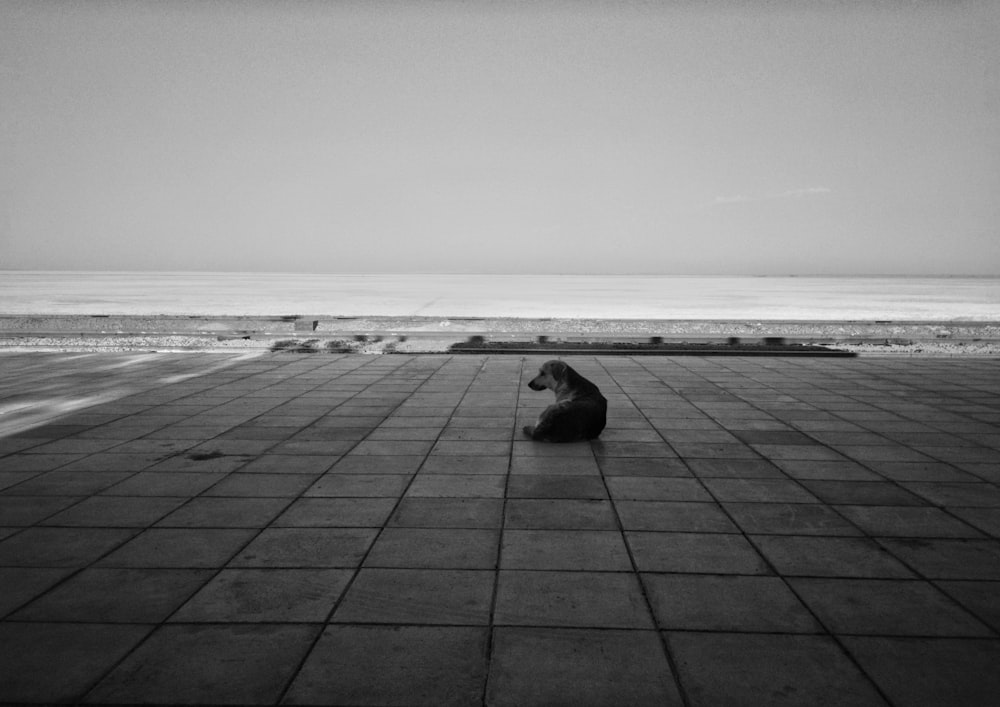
[679, 138]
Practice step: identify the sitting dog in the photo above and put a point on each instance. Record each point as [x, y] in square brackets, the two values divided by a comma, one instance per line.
[579, 413]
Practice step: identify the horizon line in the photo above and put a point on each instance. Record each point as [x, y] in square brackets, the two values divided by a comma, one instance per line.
[501, 274]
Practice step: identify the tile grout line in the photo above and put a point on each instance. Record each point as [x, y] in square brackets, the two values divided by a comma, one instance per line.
[775, 573]
[294, 674]
[672, 662]
[870, 467]
[491, 627]
[808, 386]
[166, 620]
[139, 529]
[105, 451]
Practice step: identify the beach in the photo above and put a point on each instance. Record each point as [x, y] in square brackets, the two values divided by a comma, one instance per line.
[435, 334]
[208, 294]
[380, 313]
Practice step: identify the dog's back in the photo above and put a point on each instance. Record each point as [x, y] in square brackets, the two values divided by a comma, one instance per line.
[580, 411]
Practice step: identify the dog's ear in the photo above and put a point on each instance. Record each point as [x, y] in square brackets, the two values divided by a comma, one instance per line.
[558, 370]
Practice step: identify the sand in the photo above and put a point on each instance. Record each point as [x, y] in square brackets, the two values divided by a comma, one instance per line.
[435, 334]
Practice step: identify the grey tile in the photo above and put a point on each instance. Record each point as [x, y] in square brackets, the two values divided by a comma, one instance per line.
[99, 595]
[595, 550]
[875, 493]
[435, 666]
[532, 486]
[337, 512]
[734, 468]
[985, 519]
[886, 608]
[887, 453]
[209, 664]
[421, 418]
[114, 460]
[713, 436]
[68, 483]
[523, 447]
[760, 490]
[448, 513]
[418, 596]
[630, 434]
[60, 547]
[36, 462]
[9, 479]
[82, 652]
[479, 422]
[802, 452]
[907, 521]
[22, 584]
[19, 511]
[471, 448]
[982, 599]
[358, 485]
[971, 495]
[560, 666]
[642, 466]
[921, 471]
[231, 447]
[960, 454]
[826, 470]
[559, 514]
[392, 448]
[726, 603]
[289, 464]
[152, 483]
[336, 436]
[583, 599]
[947, 558]
[570, 466]
[714, 450]
[206, 512]
[266, 595]
[262, 485]
[568, 634]
[766, 669]
[644, 488]
[789, 519]
[179, 548]
[405, 434]
[377, 464]
[829, 557]
[116, 512]
[465, 464]
[441, 548]
[694, 552]
[931, 671]
[674, 516]
[204, 463]
[634, 449]
[306, 548]
[456, 486]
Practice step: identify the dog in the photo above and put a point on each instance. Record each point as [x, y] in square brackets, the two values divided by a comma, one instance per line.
[579, 413]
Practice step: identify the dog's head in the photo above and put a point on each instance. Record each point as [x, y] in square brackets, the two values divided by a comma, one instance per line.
[551, 375]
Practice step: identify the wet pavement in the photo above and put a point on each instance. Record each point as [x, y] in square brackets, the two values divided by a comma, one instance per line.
[374, 530]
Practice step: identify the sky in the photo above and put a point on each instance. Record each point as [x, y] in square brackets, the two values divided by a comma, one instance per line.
[814, 137]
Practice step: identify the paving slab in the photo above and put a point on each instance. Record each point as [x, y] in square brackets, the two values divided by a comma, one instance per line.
[732, 669]
[394, 665]
[559, 666]
[375, 530]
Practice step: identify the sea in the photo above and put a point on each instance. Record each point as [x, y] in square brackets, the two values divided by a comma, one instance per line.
[477, 295]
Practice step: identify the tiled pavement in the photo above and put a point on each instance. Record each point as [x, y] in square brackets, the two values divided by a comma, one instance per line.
[350, 530]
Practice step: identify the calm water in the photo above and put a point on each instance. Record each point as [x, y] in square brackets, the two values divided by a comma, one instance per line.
[620, 297]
